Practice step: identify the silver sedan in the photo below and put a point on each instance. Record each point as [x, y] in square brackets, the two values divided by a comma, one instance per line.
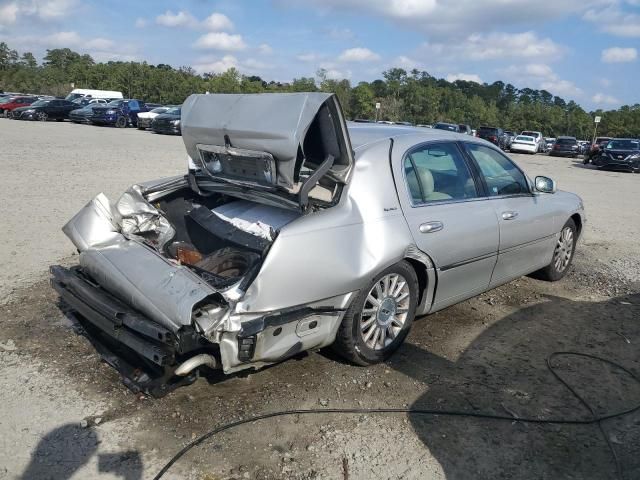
[294, 230]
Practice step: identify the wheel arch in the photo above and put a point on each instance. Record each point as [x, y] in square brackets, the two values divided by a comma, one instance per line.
[426, 274]
[577, 219]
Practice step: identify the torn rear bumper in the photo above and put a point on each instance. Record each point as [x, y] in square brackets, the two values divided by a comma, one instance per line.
[145, 353]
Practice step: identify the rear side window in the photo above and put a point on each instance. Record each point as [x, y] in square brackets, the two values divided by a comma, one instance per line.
[133, 105]
[500, 174]
[438, 172]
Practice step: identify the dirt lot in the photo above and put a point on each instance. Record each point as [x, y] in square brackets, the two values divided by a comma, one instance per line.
[65, 414]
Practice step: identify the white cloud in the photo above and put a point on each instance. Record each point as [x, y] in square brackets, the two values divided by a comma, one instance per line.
[561, 87]
[469, 77]
[604, 99]
[217, 66]
[614, 20]
[495, 46]
[217, 22]
[62, 39]
[451, 19]
[358, 54]
[220, 41]
[180, 19]
[265, 49]
[99, 44]
[45, 10]
[141, 23]
[619, 55]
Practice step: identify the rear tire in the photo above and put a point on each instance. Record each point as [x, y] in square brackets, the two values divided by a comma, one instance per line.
[562, 254]
[121, 122]
[380, 317]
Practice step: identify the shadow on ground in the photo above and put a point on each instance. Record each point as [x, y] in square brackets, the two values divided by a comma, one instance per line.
[62, 452]
[504, 371]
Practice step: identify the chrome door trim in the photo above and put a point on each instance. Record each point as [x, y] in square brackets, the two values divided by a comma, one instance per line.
[467, 262]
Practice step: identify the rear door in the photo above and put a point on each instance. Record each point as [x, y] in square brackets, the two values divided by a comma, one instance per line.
[449, 217]
[527, 221]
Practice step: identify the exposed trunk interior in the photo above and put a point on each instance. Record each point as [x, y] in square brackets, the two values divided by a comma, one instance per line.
[221, 238]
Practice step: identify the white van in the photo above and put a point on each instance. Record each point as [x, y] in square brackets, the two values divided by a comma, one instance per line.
[83, 92]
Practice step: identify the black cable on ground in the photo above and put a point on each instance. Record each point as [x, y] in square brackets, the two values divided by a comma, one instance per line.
[594, 420]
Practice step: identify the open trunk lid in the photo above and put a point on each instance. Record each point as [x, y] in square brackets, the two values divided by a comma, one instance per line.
[279, 144]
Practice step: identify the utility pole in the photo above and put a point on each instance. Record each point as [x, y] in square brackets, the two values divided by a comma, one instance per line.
[595, 130]
[377, 110]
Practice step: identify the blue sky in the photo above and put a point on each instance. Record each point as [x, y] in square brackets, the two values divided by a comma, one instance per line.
[586, 50]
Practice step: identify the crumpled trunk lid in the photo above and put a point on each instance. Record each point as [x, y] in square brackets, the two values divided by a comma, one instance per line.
[122, 264]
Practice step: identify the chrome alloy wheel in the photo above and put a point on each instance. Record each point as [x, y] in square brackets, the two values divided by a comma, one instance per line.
[564, 250]
[385, 311]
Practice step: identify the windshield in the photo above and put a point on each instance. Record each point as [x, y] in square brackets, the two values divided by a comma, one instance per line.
[173, 111]
[115, 103]
[530, 134]
[623, 145]
[159, 110]
[73, 96]
[6, 99]
[522, 138]
[40, 103]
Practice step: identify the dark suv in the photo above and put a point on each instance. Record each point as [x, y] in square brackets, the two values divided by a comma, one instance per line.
[121, 113]
[565, 147]
[494, 135]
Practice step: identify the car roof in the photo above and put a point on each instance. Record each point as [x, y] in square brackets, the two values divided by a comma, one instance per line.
[365, 134]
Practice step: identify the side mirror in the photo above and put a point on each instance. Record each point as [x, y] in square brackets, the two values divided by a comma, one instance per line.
[545, 185]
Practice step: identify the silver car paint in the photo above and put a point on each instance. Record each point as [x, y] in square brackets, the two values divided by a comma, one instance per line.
[325, 257]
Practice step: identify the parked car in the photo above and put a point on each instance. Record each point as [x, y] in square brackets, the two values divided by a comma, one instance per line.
[167, 122]
[465, 129]
[620, 154]
[88, 93]
[597, 146]
[83, 114]
[273, 243]
[119, 113]
[548, 143]
[491, 134]
[449, 127]
[8, 104]
[88, 100]
[539, 138]
[565, 147]
[524, 144]
[507, 138]
[45, 109]
[145, 118]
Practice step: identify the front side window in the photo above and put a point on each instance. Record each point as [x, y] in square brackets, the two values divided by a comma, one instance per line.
[500, 173]
[438, 172]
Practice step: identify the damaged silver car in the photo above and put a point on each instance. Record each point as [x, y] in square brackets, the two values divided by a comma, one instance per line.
[293, 230]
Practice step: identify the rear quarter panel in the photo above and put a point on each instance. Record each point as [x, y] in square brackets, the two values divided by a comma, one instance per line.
[339, 249]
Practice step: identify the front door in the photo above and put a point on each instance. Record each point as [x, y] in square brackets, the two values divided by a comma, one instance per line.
[449, 219]
[527, 221]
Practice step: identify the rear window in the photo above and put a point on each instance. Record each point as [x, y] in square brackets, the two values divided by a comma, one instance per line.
[488, 130]
[566, 141]
[530, 134]
[524, 138]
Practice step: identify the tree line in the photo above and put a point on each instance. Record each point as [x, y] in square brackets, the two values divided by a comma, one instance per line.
[414, 96]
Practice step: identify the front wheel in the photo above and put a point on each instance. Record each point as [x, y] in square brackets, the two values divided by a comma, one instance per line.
[380, 317]
[121, 122]
[41, 116]
[562, 254]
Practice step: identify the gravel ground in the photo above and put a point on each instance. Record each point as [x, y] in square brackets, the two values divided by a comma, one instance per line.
[66, 415]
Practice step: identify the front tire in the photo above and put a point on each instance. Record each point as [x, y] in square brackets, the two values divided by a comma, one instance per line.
[380, 317]
[562, 254]
[121, 122]
[41, 116]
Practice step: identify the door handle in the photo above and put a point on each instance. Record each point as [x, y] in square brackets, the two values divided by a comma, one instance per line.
[509, 215]
[431, 227]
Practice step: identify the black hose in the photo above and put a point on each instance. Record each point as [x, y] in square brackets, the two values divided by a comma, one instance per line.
[595, 419]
